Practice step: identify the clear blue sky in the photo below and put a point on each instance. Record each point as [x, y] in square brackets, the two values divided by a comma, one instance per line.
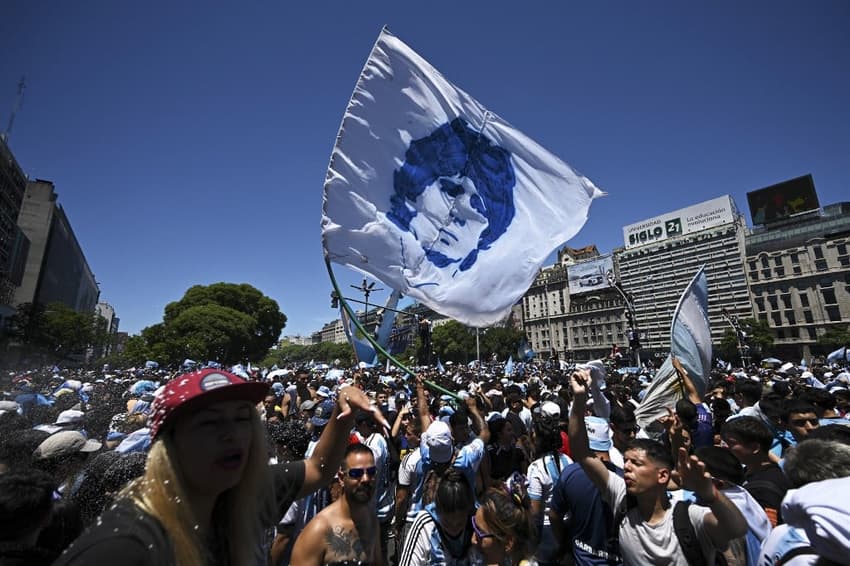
[188, 141]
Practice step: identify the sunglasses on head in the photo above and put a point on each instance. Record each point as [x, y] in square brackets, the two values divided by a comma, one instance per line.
[357, 473]
[478, 532]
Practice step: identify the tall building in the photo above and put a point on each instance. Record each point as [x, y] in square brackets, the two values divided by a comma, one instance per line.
[107, 313]
[662, 254]
[56, 269]
[14, 245]
[798, 265]
[544, 309]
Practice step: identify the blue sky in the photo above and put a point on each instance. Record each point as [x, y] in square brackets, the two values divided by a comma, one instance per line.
[188, 141]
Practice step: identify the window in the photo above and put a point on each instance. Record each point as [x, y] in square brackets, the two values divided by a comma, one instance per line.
[765, 273]
[794, 332]
[820, 264]
[844, 261]
[833, 313]
[808, 317]
[818, 252]
[786, 301]
[777, 319]
[773, 303]
[764, 262]
[795, 259]
[797, 270]
[777, 261]
[804, 299]
[780, 333]
[752, 265]
[790, 317]
[780, 272]
[842, 249]
[828, 296]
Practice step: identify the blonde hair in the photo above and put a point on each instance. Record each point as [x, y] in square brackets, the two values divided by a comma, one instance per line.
[240, 512]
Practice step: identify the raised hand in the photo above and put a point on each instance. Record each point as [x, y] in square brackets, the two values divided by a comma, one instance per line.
[693, 475]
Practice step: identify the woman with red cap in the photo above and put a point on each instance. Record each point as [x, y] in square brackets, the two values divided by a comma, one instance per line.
[208, 494]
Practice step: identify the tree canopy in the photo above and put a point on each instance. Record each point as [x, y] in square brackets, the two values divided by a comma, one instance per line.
[225, 322]
[57, 330]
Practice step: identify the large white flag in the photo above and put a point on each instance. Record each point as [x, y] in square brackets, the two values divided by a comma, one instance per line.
[690, 343]
[690, 333]
[439, 198]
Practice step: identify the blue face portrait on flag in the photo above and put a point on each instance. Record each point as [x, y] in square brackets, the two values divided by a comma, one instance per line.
[454, 194]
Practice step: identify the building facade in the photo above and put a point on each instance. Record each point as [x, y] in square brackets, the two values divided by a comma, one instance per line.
[56, 269]
[14, 245]
[799, 276]
[544, 312]
[662, 254]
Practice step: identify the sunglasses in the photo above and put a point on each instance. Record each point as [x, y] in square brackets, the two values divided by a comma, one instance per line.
[357, 473]
[478, 532]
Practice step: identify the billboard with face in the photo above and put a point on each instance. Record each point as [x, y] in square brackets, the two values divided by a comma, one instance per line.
[590, 275]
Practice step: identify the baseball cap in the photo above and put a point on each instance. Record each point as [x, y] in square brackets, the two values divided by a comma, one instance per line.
[70, 416]
[323, 413]
[64, 443]
[438, 438]
[598, 433]
[308, 405]
[550, 409]
[199, 389]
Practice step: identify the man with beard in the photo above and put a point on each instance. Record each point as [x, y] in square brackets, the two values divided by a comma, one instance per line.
[347, 531]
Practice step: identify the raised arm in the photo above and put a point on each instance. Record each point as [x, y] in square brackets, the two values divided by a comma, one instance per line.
[477, 420]
[725, 522]
[579, 446]
[323, 464]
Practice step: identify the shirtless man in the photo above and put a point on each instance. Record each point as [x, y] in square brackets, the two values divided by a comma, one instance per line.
[346, 532]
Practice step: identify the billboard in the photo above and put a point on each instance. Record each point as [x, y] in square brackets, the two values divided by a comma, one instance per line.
[708, 214]
[590, 275]
[783, 200]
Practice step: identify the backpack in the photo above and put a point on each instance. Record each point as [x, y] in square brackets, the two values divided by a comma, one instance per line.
[688, 539]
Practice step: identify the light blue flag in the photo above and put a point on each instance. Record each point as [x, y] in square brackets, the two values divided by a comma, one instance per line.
[838, 356]
[439, 198]
[387, 319]
[509, 366]
[363, 350]
[690, 333]
[440, 367]
[524, 352]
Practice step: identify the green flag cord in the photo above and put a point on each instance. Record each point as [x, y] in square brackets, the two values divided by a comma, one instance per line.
[374, 342]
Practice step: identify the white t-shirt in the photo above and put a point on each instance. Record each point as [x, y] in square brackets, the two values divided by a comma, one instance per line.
[642, 543]
[540, 480]
[409, 477]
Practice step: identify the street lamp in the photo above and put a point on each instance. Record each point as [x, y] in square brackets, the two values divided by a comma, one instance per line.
[632, 333]
[740, 336]
[366, 290]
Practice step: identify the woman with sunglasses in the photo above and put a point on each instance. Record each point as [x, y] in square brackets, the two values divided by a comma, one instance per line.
[442, 532]
[208, 493]
[501, 529]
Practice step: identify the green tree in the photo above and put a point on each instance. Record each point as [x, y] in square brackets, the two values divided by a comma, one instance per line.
[226, 322]
[453, 341]
[835, 337]
[502, 341]
[57, 329]
[759, 335]
[728, 348]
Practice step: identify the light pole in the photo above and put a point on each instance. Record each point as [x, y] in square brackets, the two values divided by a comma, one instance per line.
[632, 333]
[740, 335]
[366, 290]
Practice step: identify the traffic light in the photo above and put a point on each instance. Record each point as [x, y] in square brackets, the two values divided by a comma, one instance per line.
[334, 300]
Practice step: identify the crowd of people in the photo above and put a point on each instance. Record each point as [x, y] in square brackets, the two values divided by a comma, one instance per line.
[547, 465]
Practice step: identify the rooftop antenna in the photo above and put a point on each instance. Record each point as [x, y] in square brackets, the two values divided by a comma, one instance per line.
[21, 86]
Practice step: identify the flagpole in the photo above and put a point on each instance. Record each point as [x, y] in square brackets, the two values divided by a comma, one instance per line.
[477, 352]
[353, 317]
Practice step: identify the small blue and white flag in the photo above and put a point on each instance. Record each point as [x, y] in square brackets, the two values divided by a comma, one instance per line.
[839, 356]
[439, 198]
[363, 350]
[509, 366]
[690, 333]
[440, 367]
[524, 352]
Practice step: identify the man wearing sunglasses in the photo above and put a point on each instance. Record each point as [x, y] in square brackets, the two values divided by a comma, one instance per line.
[347, 531]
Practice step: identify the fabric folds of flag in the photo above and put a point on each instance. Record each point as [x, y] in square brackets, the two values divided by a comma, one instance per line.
[363, 350]
[439, 198]
[839, 356]
[690, 333]
[509, 367]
